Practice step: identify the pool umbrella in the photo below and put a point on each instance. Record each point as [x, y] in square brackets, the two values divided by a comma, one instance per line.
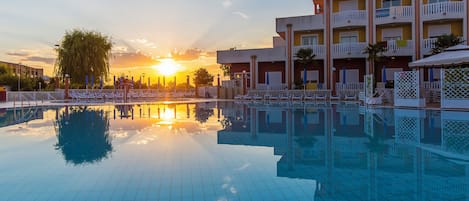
[431, 75]
[383, 72]
[344, 76]
[305, 77]
[267, 82]
[148, 82]
[114, 82]
[132, 82]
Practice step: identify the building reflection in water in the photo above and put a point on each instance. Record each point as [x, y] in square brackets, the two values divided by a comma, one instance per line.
[83, 135]
[367, 154]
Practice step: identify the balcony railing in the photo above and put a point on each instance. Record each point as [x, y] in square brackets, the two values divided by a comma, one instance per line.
[350, 18]
[400, 48]
[428, 45]
[349, 50]
[318, 50]
[450, 9]
[310, 22]
[394, 14]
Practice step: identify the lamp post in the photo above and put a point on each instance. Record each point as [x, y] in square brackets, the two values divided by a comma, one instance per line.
[218, 85]
[244, 82]
[66, 86]
[19, 76]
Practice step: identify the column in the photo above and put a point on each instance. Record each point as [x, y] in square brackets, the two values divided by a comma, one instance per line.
[371, 31]
[466, 25]
[289, 66]
[418, 26]
[328, 42]
[253, 70]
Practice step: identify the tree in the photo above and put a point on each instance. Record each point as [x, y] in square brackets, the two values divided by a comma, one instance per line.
[444, 41]
[226, 69]
[305, 56]
[375, 54]
[83, 53]
[4, 70]
[202, 77]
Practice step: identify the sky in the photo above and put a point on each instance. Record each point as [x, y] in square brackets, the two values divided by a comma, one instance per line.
[143, 32]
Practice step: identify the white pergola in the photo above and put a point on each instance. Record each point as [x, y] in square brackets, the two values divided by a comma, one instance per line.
[453, 56]
[454, 83]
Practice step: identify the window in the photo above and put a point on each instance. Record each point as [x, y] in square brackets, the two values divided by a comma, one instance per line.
[390, 3]
[438, 30]
[348, 5]
[309, 40]
[349, 37]
[392, 34]
[437, 1]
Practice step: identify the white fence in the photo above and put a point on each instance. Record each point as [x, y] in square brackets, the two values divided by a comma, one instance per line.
[350, 17]
[34, 95]
[348, 50]
[407, 89]
[455, 88]
[408, 126]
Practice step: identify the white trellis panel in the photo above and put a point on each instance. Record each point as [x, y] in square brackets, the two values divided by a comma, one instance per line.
[408, 126]
[407, 89]
[455, 88]
[455, 132]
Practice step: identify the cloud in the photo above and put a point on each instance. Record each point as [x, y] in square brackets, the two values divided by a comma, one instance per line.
[190, 54]
[145, 42]
[123, 60]
[46, 60]
[20, 53]
[227, 3]
[241, 14]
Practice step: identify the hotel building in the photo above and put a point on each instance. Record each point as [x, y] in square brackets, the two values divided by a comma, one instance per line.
[25, 71]
[338, 33]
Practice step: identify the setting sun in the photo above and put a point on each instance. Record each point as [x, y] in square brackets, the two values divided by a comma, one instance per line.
[167, 67]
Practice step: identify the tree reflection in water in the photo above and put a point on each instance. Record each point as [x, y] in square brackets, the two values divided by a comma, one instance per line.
[202, 112]
[83, 135]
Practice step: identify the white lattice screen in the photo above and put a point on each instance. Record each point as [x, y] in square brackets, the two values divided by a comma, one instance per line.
[406, 85]
[455, 88]
[456, 136]
[369, 85]
[407, 130]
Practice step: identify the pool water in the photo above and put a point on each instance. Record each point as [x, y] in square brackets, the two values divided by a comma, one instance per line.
[219, 151]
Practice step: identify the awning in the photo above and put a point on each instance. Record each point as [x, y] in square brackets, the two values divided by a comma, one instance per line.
[452, 56]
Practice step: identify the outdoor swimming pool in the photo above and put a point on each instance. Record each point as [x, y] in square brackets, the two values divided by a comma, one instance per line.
[229, 151]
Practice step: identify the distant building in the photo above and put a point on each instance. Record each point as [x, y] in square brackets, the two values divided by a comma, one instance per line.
[25, 71]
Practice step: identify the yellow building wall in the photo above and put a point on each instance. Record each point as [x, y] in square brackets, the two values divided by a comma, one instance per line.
[361, 34]
[456, 27]
[403, 3]
[406, 31]
[298, 34]
[335, 5]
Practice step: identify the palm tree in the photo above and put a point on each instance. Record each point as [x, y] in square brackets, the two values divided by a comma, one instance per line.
[305, 56]
[375, 54]
[445, 41]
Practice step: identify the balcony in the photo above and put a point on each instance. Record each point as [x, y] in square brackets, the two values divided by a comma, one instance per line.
[427, 45]
[318, 50]
[244, 56]
[400, 48]
[350, 18]
[395, 14]
[309, 22]
[348, 50]
[444, 10]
